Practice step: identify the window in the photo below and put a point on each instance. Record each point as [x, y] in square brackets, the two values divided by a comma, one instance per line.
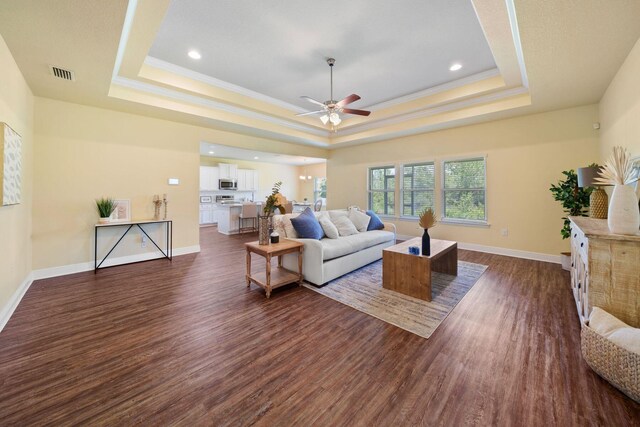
[463, 190]
[382, 187]
[320, 190]
[418, 182]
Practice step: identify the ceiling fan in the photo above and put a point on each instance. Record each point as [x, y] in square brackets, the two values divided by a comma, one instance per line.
[331, 109]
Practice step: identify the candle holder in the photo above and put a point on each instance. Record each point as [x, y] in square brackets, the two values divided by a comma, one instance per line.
[166, 203]
[157, 203]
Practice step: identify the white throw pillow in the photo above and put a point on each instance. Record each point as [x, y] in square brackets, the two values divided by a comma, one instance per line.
[345, 226]
[288, 226]
[337, 214]
[329, 229]
[359, 219]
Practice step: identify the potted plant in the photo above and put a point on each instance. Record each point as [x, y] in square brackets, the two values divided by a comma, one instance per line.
[106, 206]
[575, 202]
[274, 201]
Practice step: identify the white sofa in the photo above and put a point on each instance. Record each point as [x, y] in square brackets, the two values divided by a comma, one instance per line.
[326, 259]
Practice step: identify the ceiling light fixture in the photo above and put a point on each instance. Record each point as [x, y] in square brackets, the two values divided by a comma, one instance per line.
[455, 67]
[255, 157]
[211, 152]
[194, 54]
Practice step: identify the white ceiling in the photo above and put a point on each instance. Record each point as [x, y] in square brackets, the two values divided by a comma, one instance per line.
[570, 52]
[278, 48]
[227, 152]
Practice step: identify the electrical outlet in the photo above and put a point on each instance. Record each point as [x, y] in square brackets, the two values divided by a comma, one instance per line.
[144, 241]
[504, 232]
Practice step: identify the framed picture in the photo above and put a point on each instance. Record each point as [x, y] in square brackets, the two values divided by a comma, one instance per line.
[10, 166]
[122, 212]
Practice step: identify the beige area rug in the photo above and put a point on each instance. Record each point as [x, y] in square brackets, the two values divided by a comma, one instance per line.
[362, 289]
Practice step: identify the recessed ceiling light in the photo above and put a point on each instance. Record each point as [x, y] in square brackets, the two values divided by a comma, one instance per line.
[194, 54]
[256, 158]
[455, 67]
[211, 152]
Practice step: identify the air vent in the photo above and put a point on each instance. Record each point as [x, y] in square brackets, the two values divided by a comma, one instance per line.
[61, 73]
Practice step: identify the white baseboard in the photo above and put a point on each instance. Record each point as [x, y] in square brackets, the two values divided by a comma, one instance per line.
[12, 304]
[46, 273]
[536, 256]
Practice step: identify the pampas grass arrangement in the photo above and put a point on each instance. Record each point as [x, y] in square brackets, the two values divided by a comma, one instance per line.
[618, 169]
[427, 219]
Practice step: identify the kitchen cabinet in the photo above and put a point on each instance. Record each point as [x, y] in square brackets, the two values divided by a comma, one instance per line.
[209, 176]
[248, 180]
[228, 171]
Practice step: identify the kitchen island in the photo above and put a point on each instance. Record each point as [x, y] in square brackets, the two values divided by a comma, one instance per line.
[229, 217]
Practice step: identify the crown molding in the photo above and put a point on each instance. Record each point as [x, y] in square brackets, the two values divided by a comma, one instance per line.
[212, 81]
[454, 84]
[515, 33]
[496, 96]
[196, 100]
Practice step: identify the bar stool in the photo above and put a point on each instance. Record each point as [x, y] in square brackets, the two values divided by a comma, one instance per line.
[317, 207]
[249, 211]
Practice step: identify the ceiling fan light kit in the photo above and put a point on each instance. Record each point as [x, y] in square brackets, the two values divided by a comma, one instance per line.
[331, 109]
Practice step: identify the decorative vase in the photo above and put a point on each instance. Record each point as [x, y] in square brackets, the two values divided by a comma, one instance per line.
[624, 217]
[264, 222]
[426, 243]
[105, 220]
[598, 204]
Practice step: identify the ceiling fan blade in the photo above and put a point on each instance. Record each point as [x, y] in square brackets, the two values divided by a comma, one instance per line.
[358, 112]
[313, 101]
[348, 100]
[310, 113]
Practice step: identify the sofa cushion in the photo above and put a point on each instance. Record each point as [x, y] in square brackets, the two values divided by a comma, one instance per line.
[337, 214]
[375, 223]
[328, 227]
[289, 230]
[307, 226]
[345, 226]
[359, 219]
[334, 248]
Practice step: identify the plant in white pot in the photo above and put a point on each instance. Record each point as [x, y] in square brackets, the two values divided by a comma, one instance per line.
[106, 206]
[624, 216]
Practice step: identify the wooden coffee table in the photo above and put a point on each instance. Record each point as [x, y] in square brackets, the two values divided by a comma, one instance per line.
[411, 274]
[280, 276]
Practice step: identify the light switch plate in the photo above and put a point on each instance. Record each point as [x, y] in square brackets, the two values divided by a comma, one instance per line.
[174, 181]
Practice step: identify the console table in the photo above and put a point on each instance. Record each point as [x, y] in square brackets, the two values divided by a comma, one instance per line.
[166, 253]
[605, 270]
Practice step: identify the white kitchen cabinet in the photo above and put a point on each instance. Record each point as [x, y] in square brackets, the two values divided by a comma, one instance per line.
[255, 185]
[209, 176]
[242, 179]
[228, 171]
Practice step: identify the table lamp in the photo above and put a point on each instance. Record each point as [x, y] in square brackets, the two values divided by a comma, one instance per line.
[599, 201]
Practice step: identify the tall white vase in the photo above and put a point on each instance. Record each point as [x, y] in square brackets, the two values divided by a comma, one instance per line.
[624, 217]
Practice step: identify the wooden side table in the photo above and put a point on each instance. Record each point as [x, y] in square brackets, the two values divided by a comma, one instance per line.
[268, 279]
[411, 274]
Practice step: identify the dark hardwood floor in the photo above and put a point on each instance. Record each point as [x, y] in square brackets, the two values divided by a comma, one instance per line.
[186, 343]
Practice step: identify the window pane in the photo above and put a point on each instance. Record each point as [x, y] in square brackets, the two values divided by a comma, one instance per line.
[464, 204]
[415, 201]
[376, 181]
[464, 174]
[419, 176]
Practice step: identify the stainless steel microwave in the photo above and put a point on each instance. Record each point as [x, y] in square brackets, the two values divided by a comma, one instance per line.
[227, 184]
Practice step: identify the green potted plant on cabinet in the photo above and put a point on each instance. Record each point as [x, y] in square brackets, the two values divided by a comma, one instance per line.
[575, 202]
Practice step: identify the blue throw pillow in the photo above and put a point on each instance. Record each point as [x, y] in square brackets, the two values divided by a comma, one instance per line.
[375, 223]
[307, 226]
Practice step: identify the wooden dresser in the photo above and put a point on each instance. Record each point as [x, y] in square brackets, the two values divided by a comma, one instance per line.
[605, 270]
